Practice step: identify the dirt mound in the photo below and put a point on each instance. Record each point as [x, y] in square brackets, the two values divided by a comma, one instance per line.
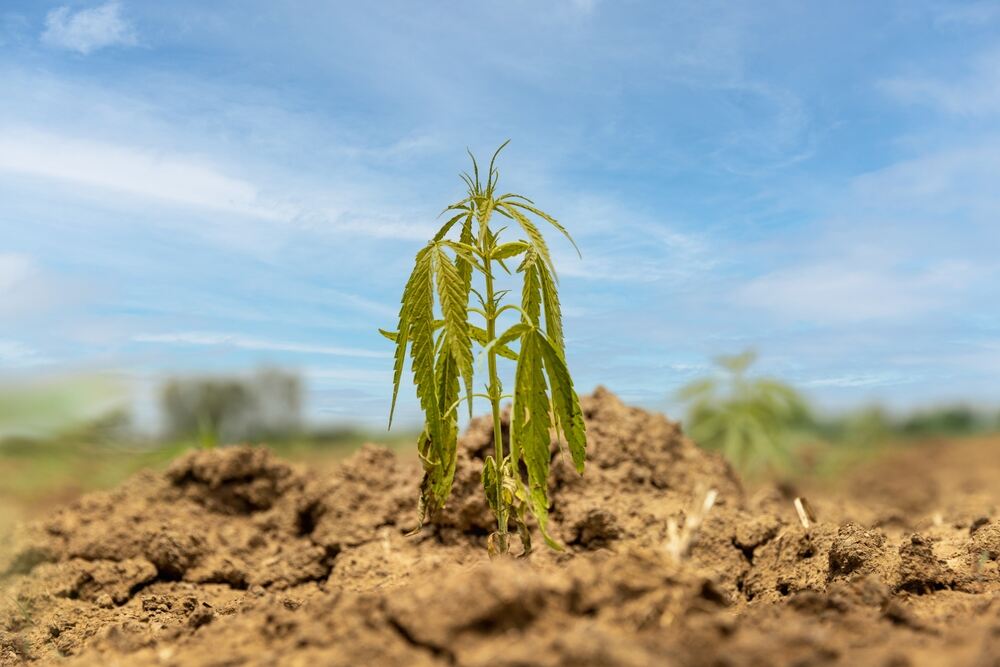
[233, 557]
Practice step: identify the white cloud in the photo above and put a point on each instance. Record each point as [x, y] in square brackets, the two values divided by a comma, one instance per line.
[859, 380]
[252, 343]
[347, 221]
[88, 29]
[337, 376]
[17, 355]
[960, 178]
[179, 179]
[855, 290]
[25, 288]
[975, 94]
[195, 182]
[15, 270]
[620, 244]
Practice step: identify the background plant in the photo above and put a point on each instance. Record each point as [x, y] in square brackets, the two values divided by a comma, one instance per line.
[435, 326]
[752, 421]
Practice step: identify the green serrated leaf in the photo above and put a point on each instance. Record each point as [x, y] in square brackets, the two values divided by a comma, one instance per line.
[535, 236]
[446, 374]
[419, 303]
[530, 424]
[527, 206]
[446, 227]
[479, 335]
[553, 311]
[508, 250]
[565, 403]
[403, 330]
[454, 296]
[511, 334]
[531, 289]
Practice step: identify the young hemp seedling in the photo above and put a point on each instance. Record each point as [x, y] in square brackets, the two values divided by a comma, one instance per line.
[435, 323]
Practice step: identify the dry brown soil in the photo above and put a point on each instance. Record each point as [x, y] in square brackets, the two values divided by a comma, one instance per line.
[233, 557]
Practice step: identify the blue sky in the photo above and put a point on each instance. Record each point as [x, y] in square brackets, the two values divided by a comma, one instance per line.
[192, 186]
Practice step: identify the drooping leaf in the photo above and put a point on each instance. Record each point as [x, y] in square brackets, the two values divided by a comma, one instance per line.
[454, 296]
[409, 300]
[531, 289]
[528, 206]
[565, 403]
[419, 304]
[446, 374]
[553, 311]
[530, 425]
[465, 266]
[534, 236]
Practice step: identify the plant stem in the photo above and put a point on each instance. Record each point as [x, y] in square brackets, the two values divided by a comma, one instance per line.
[495, 391]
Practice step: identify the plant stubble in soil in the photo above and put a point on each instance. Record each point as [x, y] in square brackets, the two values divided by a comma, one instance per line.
[233, 557]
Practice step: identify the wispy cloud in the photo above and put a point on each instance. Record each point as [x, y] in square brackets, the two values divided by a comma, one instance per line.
[620, 244]
[179, 179]
[25, 287]
[860, 380]
[843, 292]
[251, 343]
[966, 14]
[14, 270]
[88, 30]
[191, 181]
[16, 355]
[976, 93]
[958, 180]
[340, 376]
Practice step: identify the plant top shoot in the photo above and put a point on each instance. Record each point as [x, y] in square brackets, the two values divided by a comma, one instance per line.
[435, 324]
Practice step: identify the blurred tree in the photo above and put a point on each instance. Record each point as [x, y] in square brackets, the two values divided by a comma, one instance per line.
[277, 404]
[751, 420]
[213, 410]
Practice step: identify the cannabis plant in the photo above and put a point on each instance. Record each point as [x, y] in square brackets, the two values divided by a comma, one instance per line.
[453, 283]
[751, 420]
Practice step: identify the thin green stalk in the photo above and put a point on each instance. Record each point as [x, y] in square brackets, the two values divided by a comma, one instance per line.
[495, 391]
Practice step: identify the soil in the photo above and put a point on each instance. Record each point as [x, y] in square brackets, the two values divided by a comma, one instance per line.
[234, 557]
